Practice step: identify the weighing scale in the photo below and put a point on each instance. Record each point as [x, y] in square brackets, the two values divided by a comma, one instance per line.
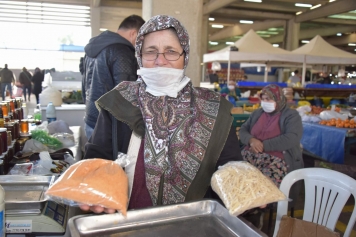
[28, 211]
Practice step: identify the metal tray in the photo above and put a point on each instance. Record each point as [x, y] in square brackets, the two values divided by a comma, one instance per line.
[202, 218]
[25, 192]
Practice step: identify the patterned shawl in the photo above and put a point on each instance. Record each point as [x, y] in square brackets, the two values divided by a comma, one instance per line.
[178, 130]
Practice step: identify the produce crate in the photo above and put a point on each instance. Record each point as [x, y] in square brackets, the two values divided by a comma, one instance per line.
[239, 119]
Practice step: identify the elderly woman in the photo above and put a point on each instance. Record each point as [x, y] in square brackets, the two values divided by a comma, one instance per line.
[186, 132]
[272, 136]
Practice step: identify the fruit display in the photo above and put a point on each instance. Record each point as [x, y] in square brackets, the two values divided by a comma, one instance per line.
[316, 109]
[339, 123]
[251, 108]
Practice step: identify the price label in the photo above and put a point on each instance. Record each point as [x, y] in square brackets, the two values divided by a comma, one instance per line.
[18, 226]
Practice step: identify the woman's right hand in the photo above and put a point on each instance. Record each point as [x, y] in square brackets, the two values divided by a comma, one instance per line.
[256, 145]
[96, 209]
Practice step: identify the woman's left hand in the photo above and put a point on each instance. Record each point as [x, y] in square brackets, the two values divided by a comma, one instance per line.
[256, 145]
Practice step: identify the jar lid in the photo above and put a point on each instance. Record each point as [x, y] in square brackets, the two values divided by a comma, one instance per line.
[25, 134]
[3, 129]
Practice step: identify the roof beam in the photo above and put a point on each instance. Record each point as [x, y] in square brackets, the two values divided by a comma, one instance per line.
[328, 9]
[213, 5]
[252, 14]
[125, 4]
[241, 29]
[335, 21]
[340, 40]
[310, 33]
[266, 6]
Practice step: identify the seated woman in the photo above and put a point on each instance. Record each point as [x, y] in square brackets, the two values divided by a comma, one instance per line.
[272, 136]
[186, 132]
[231, 91]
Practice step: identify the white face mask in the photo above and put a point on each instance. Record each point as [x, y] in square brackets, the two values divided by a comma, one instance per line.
[268, 107]
[231, 88]
[163, 81]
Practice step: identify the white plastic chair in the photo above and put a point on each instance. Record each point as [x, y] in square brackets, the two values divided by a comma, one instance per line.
[326, 193]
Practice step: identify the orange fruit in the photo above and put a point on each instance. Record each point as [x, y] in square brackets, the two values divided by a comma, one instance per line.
[352, 125]
[328, 124]
[352, 121]
[346, 125]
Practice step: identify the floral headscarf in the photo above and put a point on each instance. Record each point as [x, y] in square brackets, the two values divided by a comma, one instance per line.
[163, 22]
[275, 93]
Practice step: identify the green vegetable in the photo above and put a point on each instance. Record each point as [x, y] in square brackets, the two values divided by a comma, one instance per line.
[46, 139]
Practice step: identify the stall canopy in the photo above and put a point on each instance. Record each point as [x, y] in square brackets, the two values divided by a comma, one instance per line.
[318, 51]
[253, 49]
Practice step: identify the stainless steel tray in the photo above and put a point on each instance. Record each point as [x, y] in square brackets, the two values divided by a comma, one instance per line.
[25, 192]
[202, 218]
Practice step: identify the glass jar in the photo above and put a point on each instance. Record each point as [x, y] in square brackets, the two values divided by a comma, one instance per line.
[25, 136]
[3, 135]
[9, 138]
[10, 127]
[2, 167]
[16, 133]
[24, 127]
[19, 144]
[5, 112]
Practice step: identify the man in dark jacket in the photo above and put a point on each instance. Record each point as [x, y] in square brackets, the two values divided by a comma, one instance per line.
[25, 79]
[7, 77]
[109, 59]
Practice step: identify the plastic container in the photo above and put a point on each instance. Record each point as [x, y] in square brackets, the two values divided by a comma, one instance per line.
[51, 113]
[2, 212]
[37, 113]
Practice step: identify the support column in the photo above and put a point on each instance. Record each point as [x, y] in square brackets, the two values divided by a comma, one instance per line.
[291, 35]
[188, 12]
[95, 21]
[204, 43]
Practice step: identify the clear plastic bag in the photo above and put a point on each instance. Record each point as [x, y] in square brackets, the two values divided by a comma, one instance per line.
[93, 182]
[241, 186]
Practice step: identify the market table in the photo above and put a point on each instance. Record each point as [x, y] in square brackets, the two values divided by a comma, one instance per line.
[328, 143]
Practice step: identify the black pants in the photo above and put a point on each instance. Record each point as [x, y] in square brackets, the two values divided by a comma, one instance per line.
[37, 98]
[25, 90]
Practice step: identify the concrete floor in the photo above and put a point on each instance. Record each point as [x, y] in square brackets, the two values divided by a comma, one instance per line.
[350, 159]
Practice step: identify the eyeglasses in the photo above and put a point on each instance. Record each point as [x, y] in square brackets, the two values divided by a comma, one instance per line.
[169, 55]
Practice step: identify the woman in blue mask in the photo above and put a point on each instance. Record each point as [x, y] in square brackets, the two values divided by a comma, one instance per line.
[177, 135]
[272, 136]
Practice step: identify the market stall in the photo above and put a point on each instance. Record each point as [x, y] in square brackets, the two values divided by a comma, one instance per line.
[327, 142]
[245, 50]
[320, 52]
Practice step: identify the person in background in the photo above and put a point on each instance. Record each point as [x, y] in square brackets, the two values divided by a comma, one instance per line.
[295, 78]
[213, 77]
[7, 77]
[244, 78]
[109, 59]
[272, 136]
[26, 82]
[231, 91]
[37, 80]
[186, 132]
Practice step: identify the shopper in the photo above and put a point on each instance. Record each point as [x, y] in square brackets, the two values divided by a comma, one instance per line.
[109, 59]
[37, 80]
[186, 131]
[25, 79]
[7, 77]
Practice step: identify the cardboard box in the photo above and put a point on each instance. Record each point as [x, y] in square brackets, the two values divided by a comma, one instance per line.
[291, 227]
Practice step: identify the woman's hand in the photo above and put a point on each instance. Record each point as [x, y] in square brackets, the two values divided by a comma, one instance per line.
[96, 209]
[256, 145]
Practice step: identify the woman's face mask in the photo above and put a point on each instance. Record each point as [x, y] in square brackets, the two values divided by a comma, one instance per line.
[268, 107]
[231, 87]
[162, 81]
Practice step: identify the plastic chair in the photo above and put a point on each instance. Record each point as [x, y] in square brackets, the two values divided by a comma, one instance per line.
[326, 193]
